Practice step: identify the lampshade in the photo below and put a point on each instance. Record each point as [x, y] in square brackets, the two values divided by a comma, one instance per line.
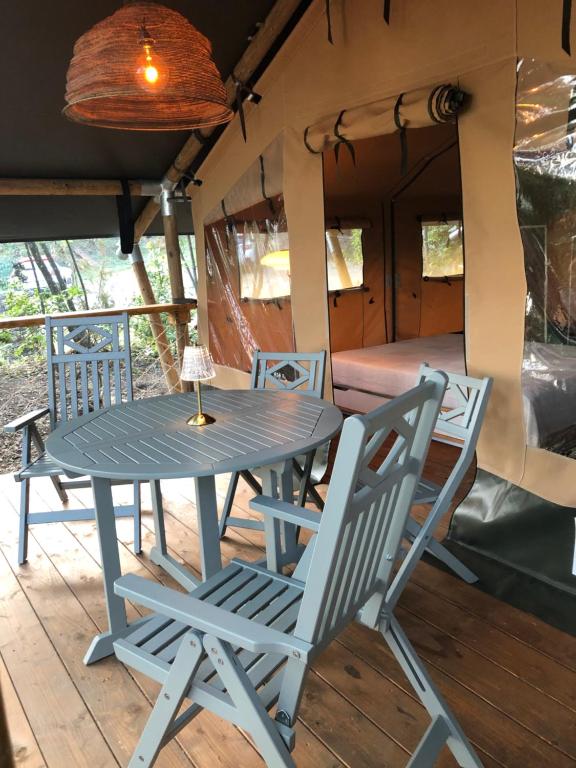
[145, 67]
[197, 364]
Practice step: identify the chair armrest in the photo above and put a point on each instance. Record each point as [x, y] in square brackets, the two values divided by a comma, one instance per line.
[24, 421]
[282, 510]
[209, 618]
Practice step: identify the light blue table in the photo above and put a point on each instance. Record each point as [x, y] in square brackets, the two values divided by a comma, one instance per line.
[150, 440]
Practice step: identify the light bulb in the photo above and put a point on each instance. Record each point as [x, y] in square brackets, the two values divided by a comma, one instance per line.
[148, 69]
[150, 72]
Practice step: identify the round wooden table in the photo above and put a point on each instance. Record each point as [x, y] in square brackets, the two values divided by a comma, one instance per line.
[149, 440]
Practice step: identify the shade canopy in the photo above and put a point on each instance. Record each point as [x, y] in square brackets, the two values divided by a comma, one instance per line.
[145, 67]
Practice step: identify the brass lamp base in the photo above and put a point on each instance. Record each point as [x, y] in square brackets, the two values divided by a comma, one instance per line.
[200, 420]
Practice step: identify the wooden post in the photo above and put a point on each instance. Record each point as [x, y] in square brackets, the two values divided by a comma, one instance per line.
[156, 324]
[75, 187]
[174, 260]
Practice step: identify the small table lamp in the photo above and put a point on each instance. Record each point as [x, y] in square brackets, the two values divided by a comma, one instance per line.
[197, 366]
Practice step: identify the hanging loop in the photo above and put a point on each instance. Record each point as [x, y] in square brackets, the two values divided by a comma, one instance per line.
[566, 24]
[403, 136]
[244, 92]
[263, 187]
[308, 146]
[342, 139]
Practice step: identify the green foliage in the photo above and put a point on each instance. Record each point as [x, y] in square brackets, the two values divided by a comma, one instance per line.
[29, 342]
[442, 253]
[101, 272]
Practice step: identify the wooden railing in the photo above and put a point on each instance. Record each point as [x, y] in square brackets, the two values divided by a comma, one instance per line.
[147, 309]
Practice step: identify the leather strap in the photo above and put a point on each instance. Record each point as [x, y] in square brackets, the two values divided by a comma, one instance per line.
[566, 24]
[403, 137]
[342, 139]
[263, 187]
[125, 218]
[387, 11]
[329, 23]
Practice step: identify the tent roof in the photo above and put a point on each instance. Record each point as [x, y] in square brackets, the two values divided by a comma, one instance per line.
[39, 142]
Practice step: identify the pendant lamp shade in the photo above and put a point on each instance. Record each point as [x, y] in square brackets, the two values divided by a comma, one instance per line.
[145, 68]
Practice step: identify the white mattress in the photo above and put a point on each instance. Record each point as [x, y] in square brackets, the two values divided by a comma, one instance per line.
[390, 369]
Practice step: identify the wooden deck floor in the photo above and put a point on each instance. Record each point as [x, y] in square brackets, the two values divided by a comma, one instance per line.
[510, 678]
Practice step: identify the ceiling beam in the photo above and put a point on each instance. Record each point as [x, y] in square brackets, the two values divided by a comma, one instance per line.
[260, 45]
[57, 187]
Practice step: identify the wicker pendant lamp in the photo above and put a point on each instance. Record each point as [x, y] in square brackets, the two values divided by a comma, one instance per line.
[145, 68]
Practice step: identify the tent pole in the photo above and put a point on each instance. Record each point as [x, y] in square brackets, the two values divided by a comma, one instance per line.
[174, 260]
[156, 323]
[75, 187]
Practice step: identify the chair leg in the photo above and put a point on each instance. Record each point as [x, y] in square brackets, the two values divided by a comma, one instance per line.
[307, 490]
[60, 490]
[256, 719]
[137, 519]
[303, 474]
[252, 482]
[422, 539]
[444, 728]
[444, 555]
[24, 511]
[158, 515]
[227, 509]
[168, 702]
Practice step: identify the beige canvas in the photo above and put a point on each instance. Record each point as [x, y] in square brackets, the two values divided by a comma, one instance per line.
[427, 42]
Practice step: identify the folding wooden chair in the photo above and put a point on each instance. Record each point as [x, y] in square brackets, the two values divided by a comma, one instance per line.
[89, 367]
[458, 424]
[305, 374]
[242, 642]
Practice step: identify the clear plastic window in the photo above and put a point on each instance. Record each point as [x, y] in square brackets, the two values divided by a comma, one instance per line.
[345, 258]
[263, 259]
[442, 251]
[248, 266]
[545, 164]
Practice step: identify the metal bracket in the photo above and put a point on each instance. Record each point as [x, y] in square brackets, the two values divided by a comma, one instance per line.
[284, 718]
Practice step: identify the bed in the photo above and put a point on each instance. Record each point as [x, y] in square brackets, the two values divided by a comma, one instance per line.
[365, 378]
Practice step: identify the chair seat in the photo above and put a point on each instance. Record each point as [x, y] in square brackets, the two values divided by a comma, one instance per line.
[43, 466]
[267, 598]
[427, 492]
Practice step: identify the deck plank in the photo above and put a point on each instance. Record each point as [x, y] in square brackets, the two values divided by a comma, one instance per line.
[508, 676]
[60, 720]
[553, 723]
[518, 658]
[500, 737]
[116, 703]
[24, 745]
[525, 627]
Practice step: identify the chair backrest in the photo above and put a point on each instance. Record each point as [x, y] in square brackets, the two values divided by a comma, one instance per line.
[460, 421]
[89, 364]
[302, 371]
[366, 511]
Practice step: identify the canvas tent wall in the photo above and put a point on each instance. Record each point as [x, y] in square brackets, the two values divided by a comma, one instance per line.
[427, 42]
